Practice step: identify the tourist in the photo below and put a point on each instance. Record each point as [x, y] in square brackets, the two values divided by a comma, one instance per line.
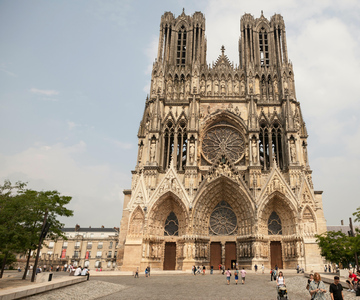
[65, 267]
[194, 270]
[236, 276]
[309, 281]
[198, 270]
[211, 270]
[228, 274]
[352, 280]
[280, 280]
[243, 274]
[256, 267]
[317, 288]
[336, 289]
[223, 270]
[325, 268]
[136, 273]
[148, 270]
[203, 268]
[274, 273]
[271, 274]
[262, 268]
[78, 271]
[84, 271]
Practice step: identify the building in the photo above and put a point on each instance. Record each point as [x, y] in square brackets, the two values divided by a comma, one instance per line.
[222, 173]
[94, 248]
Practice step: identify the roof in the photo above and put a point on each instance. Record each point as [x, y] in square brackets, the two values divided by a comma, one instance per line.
[342, 228]
[72, 229]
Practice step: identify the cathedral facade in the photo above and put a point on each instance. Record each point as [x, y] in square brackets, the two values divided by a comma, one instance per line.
[222, 173]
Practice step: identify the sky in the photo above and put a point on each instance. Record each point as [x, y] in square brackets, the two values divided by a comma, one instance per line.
[74, 76]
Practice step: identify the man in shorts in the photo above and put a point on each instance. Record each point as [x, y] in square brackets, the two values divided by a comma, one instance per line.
[243, 273]
[336, 289]
[351, 282]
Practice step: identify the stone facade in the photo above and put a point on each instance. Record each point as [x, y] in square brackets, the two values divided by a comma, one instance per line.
[222, 172]
[91, 247]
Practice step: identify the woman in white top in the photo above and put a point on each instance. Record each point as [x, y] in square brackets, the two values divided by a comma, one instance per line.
[280, 280]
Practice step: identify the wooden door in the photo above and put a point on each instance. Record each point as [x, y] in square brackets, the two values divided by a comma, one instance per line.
[230, 254]
[170, 256]
[215, 255]
[276, 255]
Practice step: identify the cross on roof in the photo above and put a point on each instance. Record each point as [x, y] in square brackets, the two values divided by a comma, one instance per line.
[222, 49]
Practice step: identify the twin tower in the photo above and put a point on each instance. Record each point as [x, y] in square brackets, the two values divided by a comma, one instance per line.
[222, 173]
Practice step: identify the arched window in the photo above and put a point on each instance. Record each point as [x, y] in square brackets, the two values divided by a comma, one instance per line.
[181, 145]
[181, 47]
[270, 146]
[223, 220]
[274, 224]
[264, 48]
[168, 142]
[171, 225]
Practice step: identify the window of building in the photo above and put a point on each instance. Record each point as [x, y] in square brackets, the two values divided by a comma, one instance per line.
[65, 244]
[181, 47]
[102, 235]
[86, 264]
[98, 254]
[111, 244]
[171, 225]
[100, 245]
[91, 235]
[264, 48]
[109, 254]
[89, 245]
[109, 264]
[274, 224]
[77, 245]
[51, 245]
[76, 254]
[97, 264]
[115, 254]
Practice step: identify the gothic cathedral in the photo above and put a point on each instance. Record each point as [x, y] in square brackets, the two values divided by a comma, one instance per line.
[222, 173]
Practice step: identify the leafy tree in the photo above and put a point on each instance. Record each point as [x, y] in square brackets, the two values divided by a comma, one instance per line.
[336, 247]
[10, 259]
[357, 215]
[22, 216]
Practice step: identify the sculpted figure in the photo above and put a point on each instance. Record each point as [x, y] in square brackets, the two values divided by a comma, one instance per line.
[254, 151]
[222, 84]
[229, 87]
[202, 87]
[236, 88]
[208, 87]
[152, 150]
[242, 84]
[276, 90]
[251, 88]
[187, 87]
[191, 152]
[292, 151]
[216, 87]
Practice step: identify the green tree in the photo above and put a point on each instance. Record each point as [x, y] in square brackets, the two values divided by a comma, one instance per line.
[336, 247]
[357, 215]
[22, 213]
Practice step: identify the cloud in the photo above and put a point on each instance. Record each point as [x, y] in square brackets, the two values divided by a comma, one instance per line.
[44, 92]
[8, 72]
[119, 144]
[72, 125]
[95, 188]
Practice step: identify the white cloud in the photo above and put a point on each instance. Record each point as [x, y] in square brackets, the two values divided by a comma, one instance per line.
[72, 125]
[44, 92]
[95, 188]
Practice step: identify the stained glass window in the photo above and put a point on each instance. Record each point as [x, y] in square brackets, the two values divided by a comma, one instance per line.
[223, 220]
[274, 224]
[171, 225]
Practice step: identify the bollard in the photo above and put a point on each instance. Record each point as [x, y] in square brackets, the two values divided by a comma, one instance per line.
[50, 276]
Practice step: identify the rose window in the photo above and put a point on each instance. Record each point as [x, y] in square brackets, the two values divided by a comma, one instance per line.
[223, 220]
[223, 139]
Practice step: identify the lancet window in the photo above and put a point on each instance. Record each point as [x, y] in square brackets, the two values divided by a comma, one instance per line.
[271, 146]
[166, 43]
[181, 145]
[264, 48]
[171, 225]
[181, 47]
[274, 224]
[168, 142]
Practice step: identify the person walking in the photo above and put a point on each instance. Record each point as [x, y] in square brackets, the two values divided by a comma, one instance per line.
[309, 281]
[228, 274]
[262, 268]
[243, 274]
[256, 268]
[317, 288]
[211, 270]
[136, 273]
[236, 274]
[203, 268]
[336, 289]
[280, 280]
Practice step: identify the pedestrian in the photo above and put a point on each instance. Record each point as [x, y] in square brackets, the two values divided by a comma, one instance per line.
[203, 269]
[228, 274]
[298, 269]
[136, 273]
[336, 289]
[148, 270]
[78, 271]
[211, 270]
[280, 280]
[271, 274]
[243, 273]
[325, 268]
[351, 282]
[223, 270]
[65, 267]
[309, 281]
[198, 270]
[256, 267]
[276, 267]
[236, 274]
[274, 274]
[262, 268]
[329, 267]
[317, 288]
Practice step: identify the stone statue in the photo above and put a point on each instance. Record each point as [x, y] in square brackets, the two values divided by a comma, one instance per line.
[202, 87]
[251, 88]
[276, 90]
[169, 88]
[229, 87]
[187, 87]
[191, 152]
[152, 151]
[216, 87]
[254, 151]
[242, 84]
[292, 151]
[208, 87]
[222, 85]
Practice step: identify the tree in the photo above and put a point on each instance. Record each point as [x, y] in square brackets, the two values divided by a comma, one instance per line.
[22, 213]
[336, 247]
[357, 215]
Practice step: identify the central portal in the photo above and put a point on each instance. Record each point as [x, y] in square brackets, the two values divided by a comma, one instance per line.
[215, 254]
[230, 255]
[170, 256]
[276, 256]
